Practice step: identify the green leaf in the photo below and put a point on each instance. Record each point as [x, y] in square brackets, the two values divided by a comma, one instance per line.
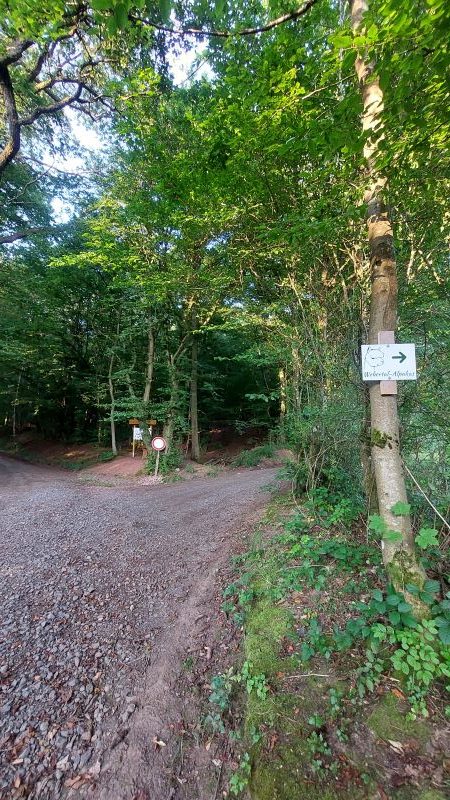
[444, 633]
[112, 26]
[165, 7]
[378, 595]
[427, 537]
[404, 608]
[394, 617]
[101, 5]
[342, 40]
[121, 15]
[400, 509]
[393, 599]
[377, 524]
[431, 586]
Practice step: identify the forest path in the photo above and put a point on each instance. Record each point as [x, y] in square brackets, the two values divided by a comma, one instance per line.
[103, 593]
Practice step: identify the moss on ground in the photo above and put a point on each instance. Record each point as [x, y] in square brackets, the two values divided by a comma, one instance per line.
[389, 720]
[265, 628]
[286, 775]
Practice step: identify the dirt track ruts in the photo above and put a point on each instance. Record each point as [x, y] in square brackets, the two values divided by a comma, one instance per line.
[100, 592]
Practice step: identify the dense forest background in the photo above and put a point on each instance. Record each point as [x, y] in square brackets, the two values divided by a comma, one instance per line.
[209, 264]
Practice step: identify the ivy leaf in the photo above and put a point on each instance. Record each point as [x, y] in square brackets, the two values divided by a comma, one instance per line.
[400, 509]
[427, 537]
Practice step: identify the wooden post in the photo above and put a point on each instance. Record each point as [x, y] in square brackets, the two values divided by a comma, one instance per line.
[387, 387]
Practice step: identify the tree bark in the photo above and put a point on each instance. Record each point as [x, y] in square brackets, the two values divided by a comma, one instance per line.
[150, 361]
[283, 393]
[112, 407]
[398, 553]
[296, 400]
[195, 443]
[169, 425]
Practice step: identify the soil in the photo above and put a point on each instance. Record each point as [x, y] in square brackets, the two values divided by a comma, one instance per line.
[105, 592]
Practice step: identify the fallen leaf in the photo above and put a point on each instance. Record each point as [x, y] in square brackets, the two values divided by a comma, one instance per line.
[95, 770]
[397, 746]
[158, 743]
[17, 782]
[77, 781]
[398, 694]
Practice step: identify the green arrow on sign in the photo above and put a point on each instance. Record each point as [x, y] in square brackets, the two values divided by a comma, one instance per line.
[401, 357]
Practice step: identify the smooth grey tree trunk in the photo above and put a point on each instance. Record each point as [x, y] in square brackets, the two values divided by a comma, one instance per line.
[195, 442]
[399, 555]
[112, 406]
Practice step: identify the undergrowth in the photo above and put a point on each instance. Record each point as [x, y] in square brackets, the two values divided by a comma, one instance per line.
[314, 601]
[253, 457]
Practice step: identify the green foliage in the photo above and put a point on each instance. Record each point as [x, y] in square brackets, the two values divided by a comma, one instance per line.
[241, 777]
[251, 458]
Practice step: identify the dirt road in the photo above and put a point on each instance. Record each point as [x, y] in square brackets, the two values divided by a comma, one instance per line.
[101, 593]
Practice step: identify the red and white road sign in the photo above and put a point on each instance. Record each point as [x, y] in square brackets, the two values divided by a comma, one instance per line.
[159, 443]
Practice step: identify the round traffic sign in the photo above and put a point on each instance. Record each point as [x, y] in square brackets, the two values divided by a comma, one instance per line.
[159, 443]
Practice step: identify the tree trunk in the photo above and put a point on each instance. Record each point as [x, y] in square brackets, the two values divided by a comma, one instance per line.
[369, 483]
[195, 443]
[112, 407]
[296, 402]
[283, 387]
[169, 425]
[150, 361]
[398, 552]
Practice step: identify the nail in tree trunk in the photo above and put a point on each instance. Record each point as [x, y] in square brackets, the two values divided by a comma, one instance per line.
[399, 555]
[195, 443]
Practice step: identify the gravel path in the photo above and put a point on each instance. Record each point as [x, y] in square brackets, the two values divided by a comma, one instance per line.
[101, 590]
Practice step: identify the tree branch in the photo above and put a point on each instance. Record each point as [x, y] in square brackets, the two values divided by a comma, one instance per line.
[23, 234]
[228, 34]
[51, 109]
[15, 52]
[12, 146]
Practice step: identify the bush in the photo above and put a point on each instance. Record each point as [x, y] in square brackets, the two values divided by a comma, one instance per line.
[251, 458]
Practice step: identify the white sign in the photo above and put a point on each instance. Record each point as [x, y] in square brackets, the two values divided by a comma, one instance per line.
[158, 443]
[388, 362]
[137, 434]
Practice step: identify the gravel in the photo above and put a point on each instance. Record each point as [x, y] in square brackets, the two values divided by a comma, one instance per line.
[90, 578]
